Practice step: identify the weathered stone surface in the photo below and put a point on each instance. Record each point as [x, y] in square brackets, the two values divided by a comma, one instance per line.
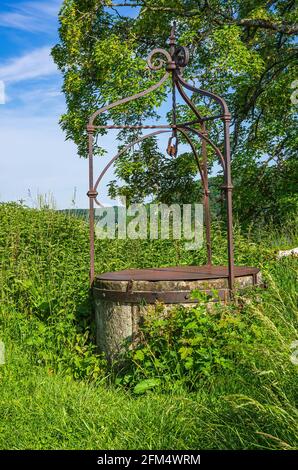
[162, 286]
[292, 252]
[113, 324]
[119, 321]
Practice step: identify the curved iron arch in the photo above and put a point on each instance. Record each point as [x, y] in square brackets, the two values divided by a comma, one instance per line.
[122, 152]
[128, 146]
[126, 100]
[202, 92]
[176, 59]
[204, 178]
[208, 141]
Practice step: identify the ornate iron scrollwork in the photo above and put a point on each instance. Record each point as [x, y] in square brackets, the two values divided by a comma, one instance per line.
[181, 56]
[159, 63]
[173, 61]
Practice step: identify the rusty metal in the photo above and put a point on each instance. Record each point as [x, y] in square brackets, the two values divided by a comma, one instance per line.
[186, 99]
[177, 273]
[203, 136]
[206, 93]
[119, 154]
[128, 99]
[174, 61]
[160, 126]
[181, 129]
[228, 190]
[206, 196]
[91, 203]
[127, 147]
[134, 127]
[150, 297]
[194, 151]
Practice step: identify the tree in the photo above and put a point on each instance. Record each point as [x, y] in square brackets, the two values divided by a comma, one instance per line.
[244, 50]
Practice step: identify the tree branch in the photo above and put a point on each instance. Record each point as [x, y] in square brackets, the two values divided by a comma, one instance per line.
[285, 28]
[282, 27]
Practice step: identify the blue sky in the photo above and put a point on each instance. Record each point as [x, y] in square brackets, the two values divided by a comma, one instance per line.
[35, 158]
[34, 155]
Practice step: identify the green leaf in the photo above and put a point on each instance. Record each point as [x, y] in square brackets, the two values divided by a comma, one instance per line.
[145, 385]
[139, 355]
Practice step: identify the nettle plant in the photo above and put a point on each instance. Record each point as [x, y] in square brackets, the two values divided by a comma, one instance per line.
[186, 346]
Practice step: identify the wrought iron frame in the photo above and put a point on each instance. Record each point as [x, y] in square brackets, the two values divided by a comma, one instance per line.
[174, 61]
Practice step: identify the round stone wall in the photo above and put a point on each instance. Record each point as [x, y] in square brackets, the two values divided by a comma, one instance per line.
[123, 298]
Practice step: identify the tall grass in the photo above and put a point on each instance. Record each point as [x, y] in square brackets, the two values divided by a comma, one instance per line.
[57, 392]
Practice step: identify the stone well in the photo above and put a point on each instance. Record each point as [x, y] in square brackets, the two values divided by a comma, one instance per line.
[123, 298]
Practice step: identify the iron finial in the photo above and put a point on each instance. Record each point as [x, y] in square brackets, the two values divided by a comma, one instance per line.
[172, 39]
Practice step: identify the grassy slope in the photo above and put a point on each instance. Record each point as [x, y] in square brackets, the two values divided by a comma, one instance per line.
[44, 323]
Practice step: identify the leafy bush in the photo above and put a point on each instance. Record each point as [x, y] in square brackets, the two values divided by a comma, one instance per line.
[44, 289]
[187, 345]
[227, 379]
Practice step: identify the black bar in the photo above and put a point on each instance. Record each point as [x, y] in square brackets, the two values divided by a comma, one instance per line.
[135, 458]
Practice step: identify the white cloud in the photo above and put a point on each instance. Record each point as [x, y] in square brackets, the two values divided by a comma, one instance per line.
[40, 94]
[31, 16]
[19, 21]
[50, 8]
[2, 92]
[41, 160]
[35, 64]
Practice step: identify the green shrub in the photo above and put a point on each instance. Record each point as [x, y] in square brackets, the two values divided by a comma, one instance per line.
[45, 298]
[186, 346]
[222, 380]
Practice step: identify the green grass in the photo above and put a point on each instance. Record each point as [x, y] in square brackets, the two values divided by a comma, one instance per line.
[56, 393]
